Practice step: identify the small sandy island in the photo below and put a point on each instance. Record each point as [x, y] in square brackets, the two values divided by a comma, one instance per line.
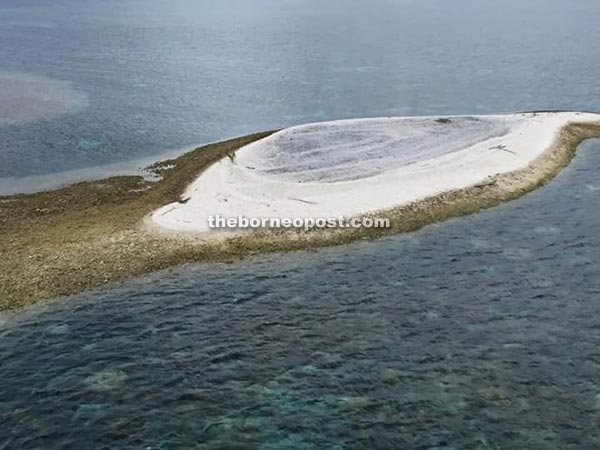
[412, 171]
[356, 167]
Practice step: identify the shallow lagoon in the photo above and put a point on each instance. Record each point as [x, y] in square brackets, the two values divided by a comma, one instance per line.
[479, 333]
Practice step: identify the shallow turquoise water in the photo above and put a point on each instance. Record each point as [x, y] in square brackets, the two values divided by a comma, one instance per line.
[478, 333]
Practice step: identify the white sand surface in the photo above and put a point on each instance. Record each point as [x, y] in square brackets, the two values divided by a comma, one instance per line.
[353, 167]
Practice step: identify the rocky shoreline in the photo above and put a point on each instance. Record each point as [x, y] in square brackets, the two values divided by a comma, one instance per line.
[66, 241]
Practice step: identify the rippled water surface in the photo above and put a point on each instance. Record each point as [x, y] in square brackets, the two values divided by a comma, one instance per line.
[159, 75]
[478, 333]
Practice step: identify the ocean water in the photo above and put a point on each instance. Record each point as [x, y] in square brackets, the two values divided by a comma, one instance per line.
[478, 333]
[160, 75]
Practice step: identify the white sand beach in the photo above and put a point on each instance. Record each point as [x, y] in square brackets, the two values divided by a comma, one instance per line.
[354, 167]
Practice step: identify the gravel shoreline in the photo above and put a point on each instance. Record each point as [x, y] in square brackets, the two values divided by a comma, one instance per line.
[66, 241]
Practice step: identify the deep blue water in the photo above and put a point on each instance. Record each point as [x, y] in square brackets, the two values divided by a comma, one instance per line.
[168, 74]
[478, 333]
